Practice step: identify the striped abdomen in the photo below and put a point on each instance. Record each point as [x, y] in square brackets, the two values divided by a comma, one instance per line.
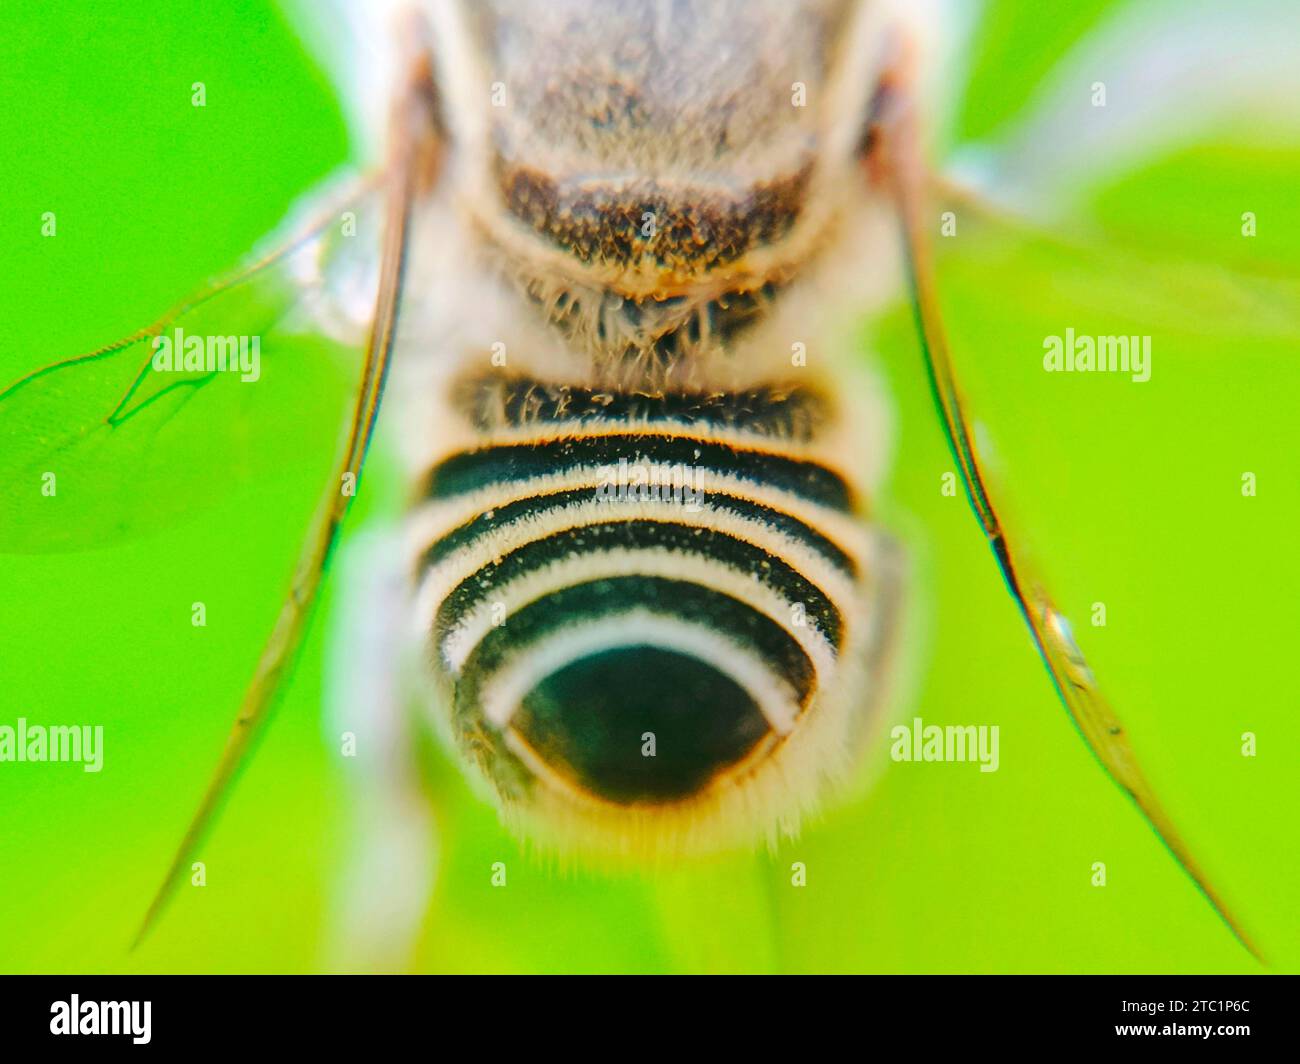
[637, 610]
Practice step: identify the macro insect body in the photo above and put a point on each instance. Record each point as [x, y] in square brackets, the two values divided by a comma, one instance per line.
[634, 667]
[655, 612]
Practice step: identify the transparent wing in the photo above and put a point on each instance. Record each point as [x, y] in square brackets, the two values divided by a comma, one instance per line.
[131, 436]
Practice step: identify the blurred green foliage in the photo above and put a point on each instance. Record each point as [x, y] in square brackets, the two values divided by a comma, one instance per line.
[1128, 494]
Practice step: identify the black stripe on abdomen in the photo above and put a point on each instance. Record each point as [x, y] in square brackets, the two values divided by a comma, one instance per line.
[537, 505]
[587, 602]
[635, 535]
[479, 469]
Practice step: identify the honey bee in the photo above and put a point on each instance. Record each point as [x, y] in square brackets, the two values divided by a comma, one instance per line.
[655, 605]
[656, 614]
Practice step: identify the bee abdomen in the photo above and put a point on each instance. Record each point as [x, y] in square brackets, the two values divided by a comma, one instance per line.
[786, 410]
[633, 614]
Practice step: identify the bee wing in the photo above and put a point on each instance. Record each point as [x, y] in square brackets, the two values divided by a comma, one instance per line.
[142, 432]
[1195, 312]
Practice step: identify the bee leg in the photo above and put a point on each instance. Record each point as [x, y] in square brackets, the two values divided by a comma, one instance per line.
[892, 159]
[382, 890]
[415, 154]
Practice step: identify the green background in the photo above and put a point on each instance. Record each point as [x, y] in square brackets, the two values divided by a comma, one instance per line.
[1127, 494]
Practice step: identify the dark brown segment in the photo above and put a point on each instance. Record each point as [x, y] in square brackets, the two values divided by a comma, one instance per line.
[694, 229]
[784, 411]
